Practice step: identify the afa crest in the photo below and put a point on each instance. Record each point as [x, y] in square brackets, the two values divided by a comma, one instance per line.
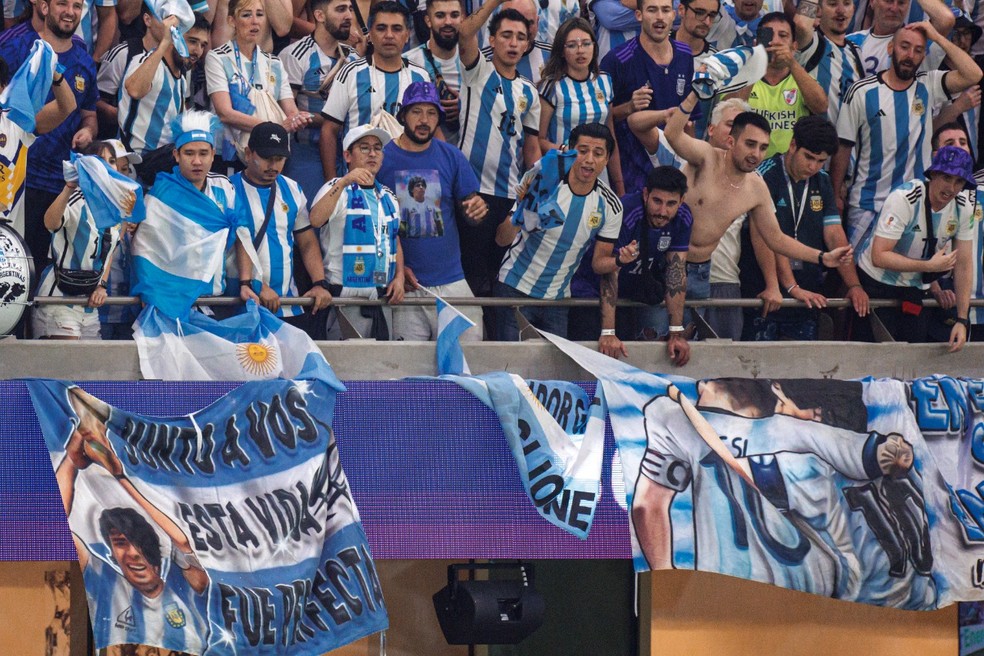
[594, 220]
[816, 203]
[978, 213]
[951, 228]
[918, 108]
[360, 266]
[175, 616]
[522, 103]
[600, 95]
[80, 84]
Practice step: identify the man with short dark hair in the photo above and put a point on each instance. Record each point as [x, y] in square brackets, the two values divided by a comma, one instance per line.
[277, 213]
[368, 86]
[806, 212]
[553, 222]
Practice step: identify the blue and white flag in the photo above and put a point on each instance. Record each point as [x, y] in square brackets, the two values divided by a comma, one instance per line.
[229, 531]
[730, 70]
[181, 10]
[30, 86]
[255, 345]
[450, 325]
[537, 207]
[181, 244]
[110, 196]
[557, 437]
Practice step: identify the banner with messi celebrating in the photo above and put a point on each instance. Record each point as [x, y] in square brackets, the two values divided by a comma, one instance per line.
[227, 531]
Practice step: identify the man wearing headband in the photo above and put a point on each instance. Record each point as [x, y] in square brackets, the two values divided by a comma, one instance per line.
[924, 231]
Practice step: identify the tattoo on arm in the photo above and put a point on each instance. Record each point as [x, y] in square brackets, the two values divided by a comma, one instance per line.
[807, 8]
[676, 275]
[609, 296]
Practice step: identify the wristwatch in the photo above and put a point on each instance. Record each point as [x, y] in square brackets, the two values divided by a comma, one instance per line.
[321, 283]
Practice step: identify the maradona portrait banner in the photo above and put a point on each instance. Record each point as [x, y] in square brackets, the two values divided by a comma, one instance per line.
[868, 491]
[227, 531]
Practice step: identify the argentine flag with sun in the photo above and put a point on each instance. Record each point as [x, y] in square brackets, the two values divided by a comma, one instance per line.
[254, 345]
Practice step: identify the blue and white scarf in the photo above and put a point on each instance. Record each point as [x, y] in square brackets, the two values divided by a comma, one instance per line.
[369, 242]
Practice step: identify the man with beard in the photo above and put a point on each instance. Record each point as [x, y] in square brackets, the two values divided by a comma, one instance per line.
[114, 64]
[888, 17]
[884, 121]
[416, 162]
[311, 65]
[368, 86]
[696, 19]
[825, 53]
[649, 72]
[439, 57]
[723, 187]
[155, 91]
[49, 150]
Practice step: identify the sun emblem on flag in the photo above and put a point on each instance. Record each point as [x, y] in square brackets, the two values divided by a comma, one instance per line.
[127, 201]
[257, 359]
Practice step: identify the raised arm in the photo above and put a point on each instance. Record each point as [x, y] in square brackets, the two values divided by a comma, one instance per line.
[56, 111]
[964, 71]
[694, 151]
[468, 32]
[805, 21]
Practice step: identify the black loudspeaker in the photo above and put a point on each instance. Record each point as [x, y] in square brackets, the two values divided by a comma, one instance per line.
[499, 612]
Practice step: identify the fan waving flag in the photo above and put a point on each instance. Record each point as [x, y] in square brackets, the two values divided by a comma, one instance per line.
[730, 70]
[251, 346]
[180, 10]
[450, 325]
[110, 196]
[28, 90]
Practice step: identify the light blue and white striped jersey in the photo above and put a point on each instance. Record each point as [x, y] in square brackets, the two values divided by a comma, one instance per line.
[576, 102]
[76, 244]
[306, 65]
[903, 220]
[532, 63]
[145, 124]
[977, 288]
[109, 78]
[89, 24]
[219, 188]
[834, 67]
[290, 216]
[361, 90]
[891, 133]
[222, 70]
[121, 614]
[552, 15]
[723, 33]
[614, 24]
[874, 52]
[541, 263]
[497, 117]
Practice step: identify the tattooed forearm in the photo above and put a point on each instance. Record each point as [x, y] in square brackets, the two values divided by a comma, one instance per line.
[807, 8]
[609, 296]
[676, 275]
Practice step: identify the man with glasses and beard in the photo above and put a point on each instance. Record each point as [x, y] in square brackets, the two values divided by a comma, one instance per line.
[884, 121]
[439, 57]
[155, 90]
[311, 65]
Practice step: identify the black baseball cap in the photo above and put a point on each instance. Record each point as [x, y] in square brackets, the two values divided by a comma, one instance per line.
[269, 140]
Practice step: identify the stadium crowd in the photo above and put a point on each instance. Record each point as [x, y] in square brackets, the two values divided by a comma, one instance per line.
[531, 149]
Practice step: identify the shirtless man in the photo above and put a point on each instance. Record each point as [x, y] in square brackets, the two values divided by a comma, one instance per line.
[723, 187]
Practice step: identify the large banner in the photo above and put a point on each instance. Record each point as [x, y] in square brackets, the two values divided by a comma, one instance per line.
[868, 491]
[227, 531]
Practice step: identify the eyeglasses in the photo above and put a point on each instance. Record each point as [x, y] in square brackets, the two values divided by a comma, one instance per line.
[366, 149]
[703, 14]
[587, 44]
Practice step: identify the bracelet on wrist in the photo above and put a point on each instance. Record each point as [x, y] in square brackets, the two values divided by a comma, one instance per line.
[964, 322]
[607, 332]
[245, 283]
[791, 288]
[820, 259]
[676, 329]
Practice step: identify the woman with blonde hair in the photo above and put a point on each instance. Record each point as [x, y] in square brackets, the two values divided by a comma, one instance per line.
[246, 85]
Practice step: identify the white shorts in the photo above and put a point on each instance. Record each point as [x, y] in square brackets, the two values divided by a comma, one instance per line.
[419, 323]
[65, 321]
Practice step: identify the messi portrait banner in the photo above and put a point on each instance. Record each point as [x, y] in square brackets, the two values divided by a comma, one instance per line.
[230, 530]
[868, 491]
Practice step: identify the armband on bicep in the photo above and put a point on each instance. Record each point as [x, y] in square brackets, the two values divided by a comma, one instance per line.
[664, 470]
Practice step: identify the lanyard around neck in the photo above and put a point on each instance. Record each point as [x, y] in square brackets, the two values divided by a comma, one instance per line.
[242, 72]
[797, 214]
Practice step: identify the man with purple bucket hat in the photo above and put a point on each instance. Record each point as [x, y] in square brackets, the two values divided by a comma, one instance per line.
[437, 191]
[924, 232]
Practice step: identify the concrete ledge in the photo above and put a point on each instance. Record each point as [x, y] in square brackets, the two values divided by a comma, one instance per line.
[369, 360]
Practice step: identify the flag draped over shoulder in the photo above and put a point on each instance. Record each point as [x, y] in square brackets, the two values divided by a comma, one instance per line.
[729, 71]
[110, 196]
[538, 206]
[556, 435]
[254, 345]
[864, 491]
[30, 86]
[230, 531]
[181, 244]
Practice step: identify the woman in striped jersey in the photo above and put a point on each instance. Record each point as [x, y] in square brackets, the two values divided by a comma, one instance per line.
[78, 245]
[575, 92]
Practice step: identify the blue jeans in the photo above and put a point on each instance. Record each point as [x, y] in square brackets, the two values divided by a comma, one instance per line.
[698, 289]
[549, 318]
